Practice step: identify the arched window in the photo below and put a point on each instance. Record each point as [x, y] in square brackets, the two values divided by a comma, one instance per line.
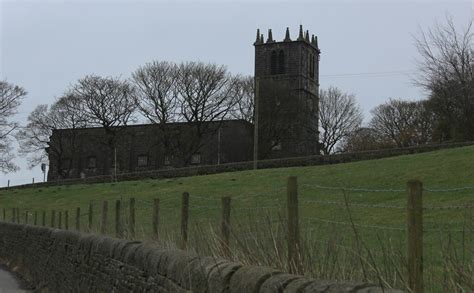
[281, 62]
[311, 65]
[274, 65]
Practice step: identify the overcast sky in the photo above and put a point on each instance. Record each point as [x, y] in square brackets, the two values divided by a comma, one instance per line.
[367, 46]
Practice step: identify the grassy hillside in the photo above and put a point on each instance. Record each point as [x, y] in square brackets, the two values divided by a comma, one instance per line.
[258, 206]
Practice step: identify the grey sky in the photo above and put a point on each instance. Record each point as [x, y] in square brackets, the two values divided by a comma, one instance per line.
[48, 45]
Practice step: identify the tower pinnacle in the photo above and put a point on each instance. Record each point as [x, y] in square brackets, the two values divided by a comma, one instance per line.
[257, 40]
[300, 36]
[287, 35]
[270, 36]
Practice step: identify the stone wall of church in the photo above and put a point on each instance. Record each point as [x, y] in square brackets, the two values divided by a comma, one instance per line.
[86, 153]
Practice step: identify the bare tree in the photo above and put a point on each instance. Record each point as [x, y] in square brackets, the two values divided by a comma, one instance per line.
[10, 99]
[405, 123]
[35, 139]
[107, 102]
[364, 139]
[205, 99]
[446, 67]
[244, 98]
[155, 91]
[156, 99]
[339, 115]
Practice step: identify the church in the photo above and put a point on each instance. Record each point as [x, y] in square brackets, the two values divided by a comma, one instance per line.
[285, 123]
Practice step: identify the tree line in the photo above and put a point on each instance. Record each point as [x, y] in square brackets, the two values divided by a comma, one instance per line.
[162, 93]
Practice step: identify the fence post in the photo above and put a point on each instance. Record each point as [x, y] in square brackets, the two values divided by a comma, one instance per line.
[44, 219]
[78, 219]
[4, 214]
[131, 220]
[118, 223]
[18, 215]
[35, 219]
[415, 235]
[91, 210]
[103, 220]
[66, 220]
[156, 217]
[294, 260]
[60, 219]
[53, 216]
[184, 219]
[225, 225]
[26, 217]
[13, 215]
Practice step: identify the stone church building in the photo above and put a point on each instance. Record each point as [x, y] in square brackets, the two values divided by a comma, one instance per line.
[286, 124]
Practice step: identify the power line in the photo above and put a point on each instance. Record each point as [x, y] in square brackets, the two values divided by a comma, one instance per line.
[371, 74]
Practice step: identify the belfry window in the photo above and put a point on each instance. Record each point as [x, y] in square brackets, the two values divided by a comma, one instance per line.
[311, 65]
[281, 62]
[277, 62]
[274, 63]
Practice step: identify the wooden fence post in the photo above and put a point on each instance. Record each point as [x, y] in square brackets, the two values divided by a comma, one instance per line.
[415, 235]
[131, 220]
[103, 220]
[294, 260]
[78, 219]
[225, 225]
[156, 217]
[44, 219]
[118, 219]
[66, 220]
[53, 216]
[13, 215]
[35, 219]
[26, 217]
[91, 210]
[4, 214]
[184, 219]
[18, 215]
[60, 220]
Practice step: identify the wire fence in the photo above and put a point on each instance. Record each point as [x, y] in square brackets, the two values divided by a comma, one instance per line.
[316, 216]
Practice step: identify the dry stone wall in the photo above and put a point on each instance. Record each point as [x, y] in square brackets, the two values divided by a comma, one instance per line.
[63, 261]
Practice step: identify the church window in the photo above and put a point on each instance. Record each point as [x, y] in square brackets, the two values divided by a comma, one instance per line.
[196, 159]
[276, 145]
[92, 162]
[142, 161]
[281, 62]
[274, 63]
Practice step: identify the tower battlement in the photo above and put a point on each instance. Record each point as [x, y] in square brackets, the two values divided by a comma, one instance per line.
[302, 37]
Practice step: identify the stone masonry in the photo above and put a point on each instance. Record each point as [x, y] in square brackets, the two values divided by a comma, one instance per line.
[64, 261]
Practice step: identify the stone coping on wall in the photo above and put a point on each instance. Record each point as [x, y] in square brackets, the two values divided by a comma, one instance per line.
[242, 166]
[53, 260]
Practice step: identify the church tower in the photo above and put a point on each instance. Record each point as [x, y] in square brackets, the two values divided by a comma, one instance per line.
[286, 95]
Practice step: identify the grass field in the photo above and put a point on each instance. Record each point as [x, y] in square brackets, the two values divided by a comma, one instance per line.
[348, 232]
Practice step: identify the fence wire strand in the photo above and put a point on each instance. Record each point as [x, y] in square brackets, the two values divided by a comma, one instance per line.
[355, 189]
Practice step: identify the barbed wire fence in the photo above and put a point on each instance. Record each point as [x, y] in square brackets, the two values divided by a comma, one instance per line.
[295, 215]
